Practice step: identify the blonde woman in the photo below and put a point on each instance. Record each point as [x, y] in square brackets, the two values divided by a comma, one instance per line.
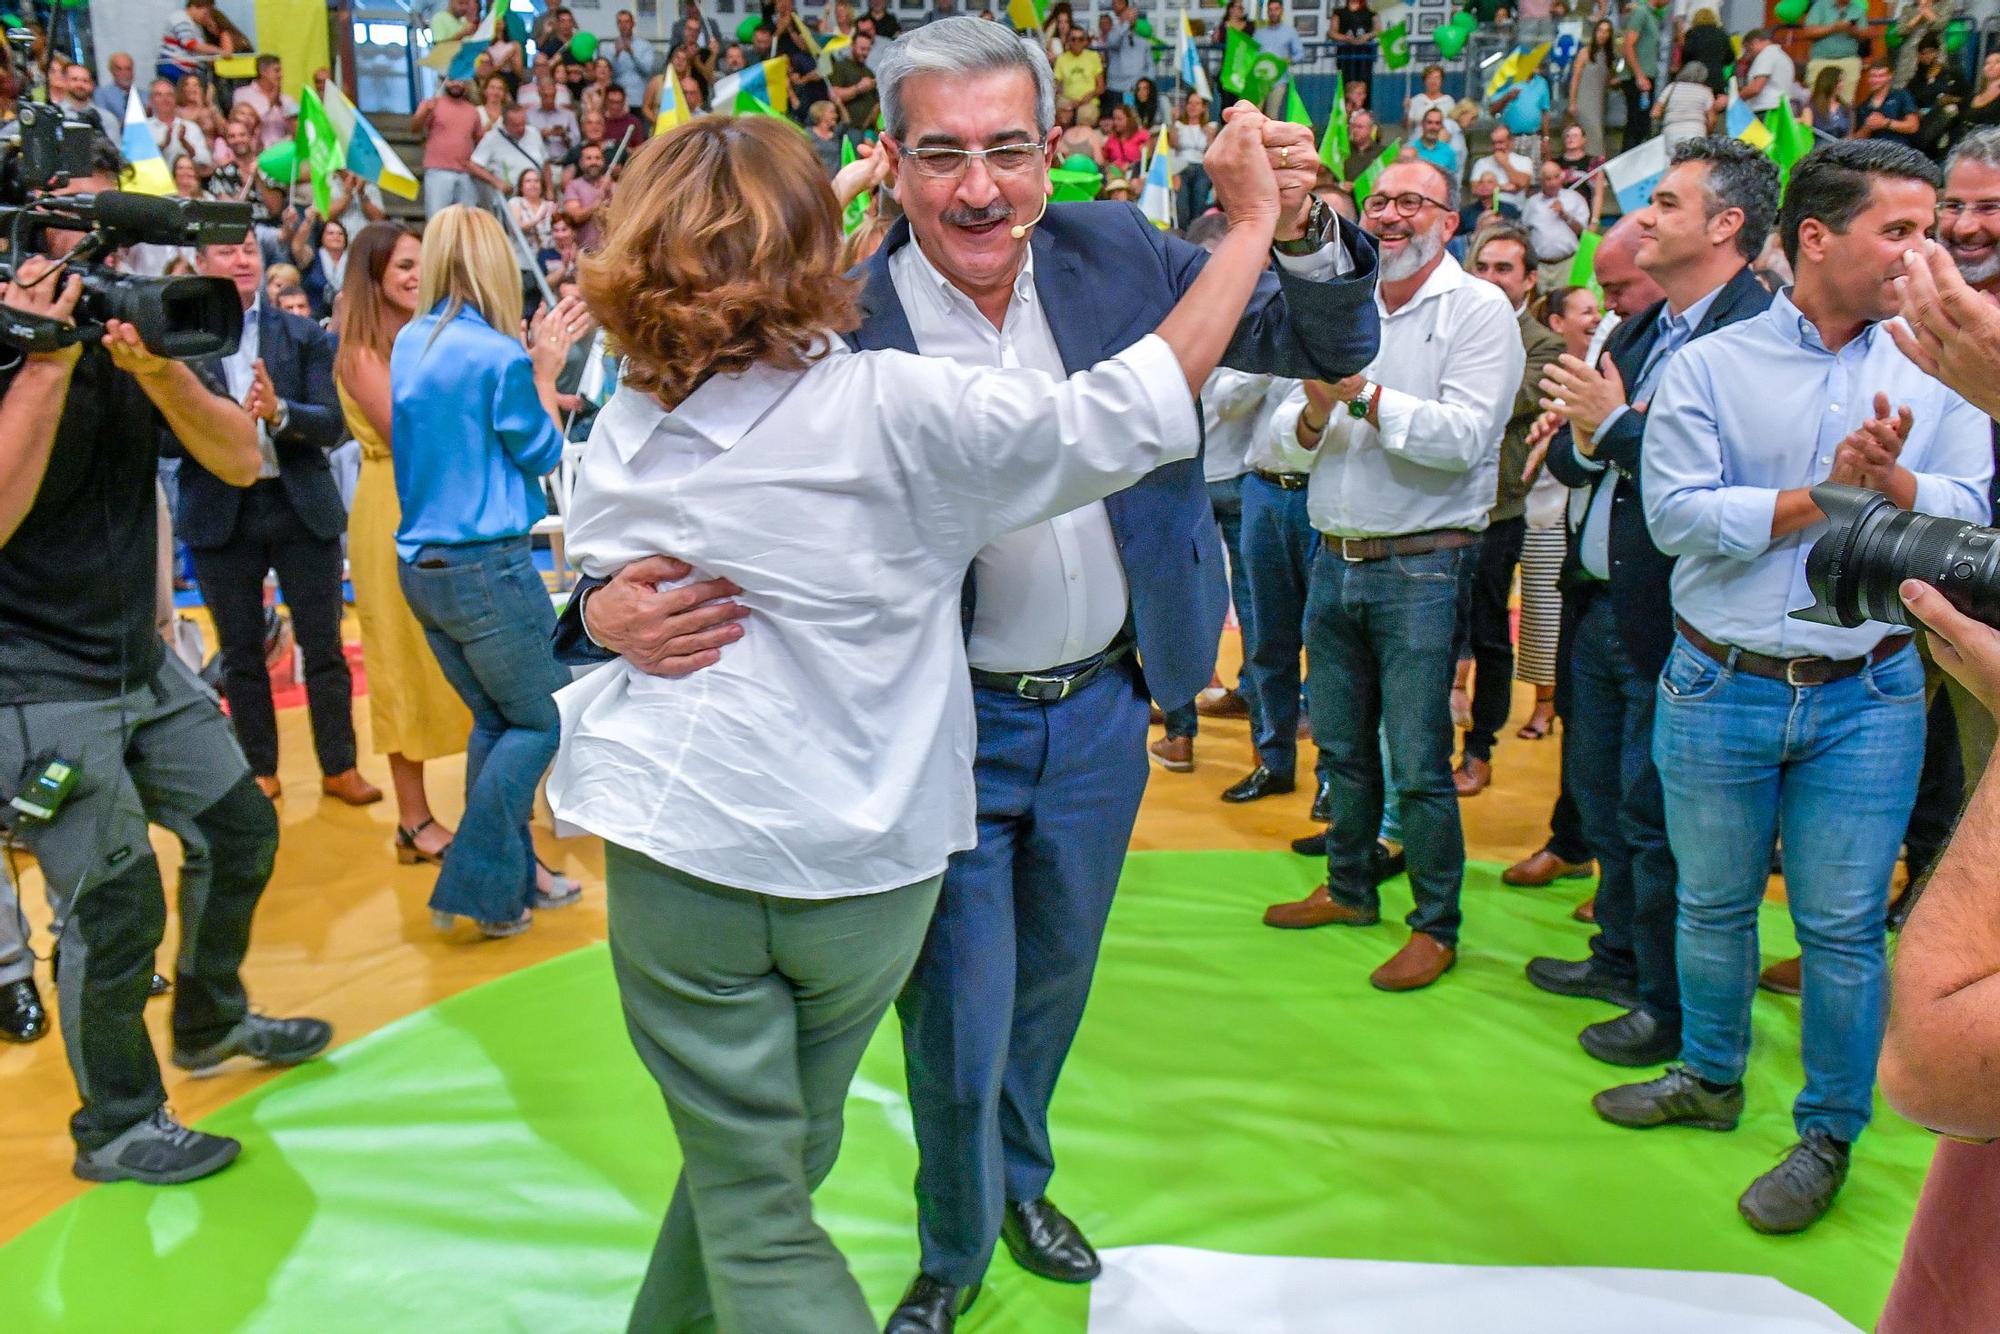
[414, 713]
[474, 427]
[766, 902]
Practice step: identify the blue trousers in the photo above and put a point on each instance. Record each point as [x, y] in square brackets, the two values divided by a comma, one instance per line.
[1386, 631]
[1832, 769]
[999, 988]
[1277, 546]
[487, 617]
[1608, 761]
[1226, 500]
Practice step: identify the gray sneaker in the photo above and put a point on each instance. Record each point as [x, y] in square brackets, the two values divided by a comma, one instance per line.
[1676, 1098]
[159, 1151]
[1792, 1196]
[272, 1041]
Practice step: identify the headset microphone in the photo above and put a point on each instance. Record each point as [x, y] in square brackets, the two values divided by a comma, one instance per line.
[1019, 230]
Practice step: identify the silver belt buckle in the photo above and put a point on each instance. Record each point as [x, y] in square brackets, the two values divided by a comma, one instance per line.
[1351, 560]
[1022, 688]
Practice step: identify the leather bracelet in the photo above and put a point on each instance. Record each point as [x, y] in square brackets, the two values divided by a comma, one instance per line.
[1315, 431]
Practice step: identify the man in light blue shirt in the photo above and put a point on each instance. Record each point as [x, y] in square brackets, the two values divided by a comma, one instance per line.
[633, 60]
[1434, 148]
[1128, 55]
[1524, 107]
[1760, 714]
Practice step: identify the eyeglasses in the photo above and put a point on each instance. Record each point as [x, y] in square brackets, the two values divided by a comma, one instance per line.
[1408, 204]
[1001, 160]
[1986, 210]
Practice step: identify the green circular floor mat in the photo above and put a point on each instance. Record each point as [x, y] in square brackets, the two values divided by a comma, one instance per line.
[501, 1161]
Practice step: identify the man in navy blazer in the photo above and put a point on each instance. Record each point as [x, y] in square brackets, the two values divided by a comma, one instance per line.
[1707, 221]
[290, 521]
[1071, 625]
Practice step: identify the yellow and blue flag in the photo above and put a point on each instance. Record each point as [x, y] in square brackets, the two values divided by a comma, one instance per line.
[147, 172]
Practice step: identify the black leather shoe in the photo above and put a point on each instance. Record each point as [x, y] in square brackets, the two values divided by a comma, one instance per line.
[1312, 845]
[1260, 783]
[159, 986]
[1322, 811]
[22, 1018]
[930, 1307]
[1634, 1038]
[1043, 1241]
[1385, 865]
[1582, 977]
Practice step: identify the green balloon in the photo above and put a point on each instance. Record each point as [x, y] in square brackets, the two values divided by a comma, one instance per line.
[1791, 11]
[1465, 21]
[281, 160]
[583, 46]
[1449, 41]
[744, 30]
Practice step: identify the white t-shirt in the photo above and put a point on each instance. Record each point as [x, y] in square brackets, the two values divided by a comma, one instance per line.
[1504, 193]
[508, 158]
[1773, 62]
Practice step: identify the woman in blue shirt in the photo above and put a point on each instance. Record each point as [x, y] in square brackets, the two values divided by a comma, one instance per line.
[475, 427]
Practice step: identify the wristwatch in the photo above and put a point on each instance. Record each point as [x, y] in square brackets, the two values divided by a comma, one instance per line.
[1363, 403]
[1321, 228]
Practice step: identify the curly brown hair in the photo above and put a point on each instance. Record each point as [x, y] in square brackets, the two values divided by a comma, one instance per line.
[722, 249]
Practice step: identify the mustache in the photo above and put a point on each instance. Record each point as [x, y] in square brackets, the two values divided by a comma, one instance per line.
[997, 211]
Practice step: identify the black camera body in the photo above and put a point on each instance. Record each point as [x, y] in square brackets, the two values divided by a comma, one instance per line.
[1857, 567]
[181, 317]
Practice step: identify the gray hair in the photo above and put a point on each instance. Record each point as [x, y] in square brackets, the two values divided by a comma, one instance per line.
[1981, 146]
[961, 45]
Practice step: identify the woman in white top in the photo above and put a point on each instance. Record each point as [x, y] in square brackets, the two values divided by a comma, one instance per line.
[1193, 132]
[533, 212]
[777, 825]
[1432, 98]
[1686, 110]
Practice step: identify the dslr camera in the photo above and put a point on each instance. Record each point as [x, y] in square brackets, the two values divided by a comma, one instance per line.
[181, 317]
[1870, 546]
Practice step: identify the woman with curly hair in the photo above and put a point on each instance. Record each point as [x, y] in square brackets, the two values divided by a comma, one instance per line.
[767, 901]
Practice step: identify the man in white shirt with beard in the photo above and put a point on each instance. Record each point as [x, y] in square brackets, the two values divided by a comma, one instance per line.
[1404, 460]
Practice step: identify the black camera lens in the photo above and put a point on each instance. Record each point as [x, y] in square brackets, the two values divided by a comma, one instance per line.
[1870, 546]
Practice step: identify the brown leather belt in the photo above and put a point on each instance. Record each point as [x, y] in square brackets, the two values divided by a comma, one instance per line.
[1284, 481]
[1792, 671]
[1356, 549]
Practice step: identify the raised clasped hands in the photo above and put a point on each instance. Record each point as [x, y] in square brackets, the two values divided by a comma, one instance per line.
[1242, 169]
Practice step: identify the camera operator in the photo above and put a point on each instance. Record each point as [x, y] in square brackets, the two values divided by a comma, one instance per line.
[110, 731]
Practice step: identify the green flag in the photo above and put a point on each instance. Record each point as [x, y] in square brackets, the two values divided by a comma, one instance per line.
[1248, 70]
[1295, 107]
[322, 148]
[1334, 145]
[1396, 45]
[1364, 184]
[1790, 141]
[1583, 269]
[857, 207]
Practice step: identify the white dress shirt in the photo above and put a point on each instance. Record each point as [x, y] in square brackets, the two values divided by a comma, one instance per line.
[1233, 406]
[1543, 216]
[1054, 593]
[1450, 364]
[1758, 408]
[239, 371]
[850, 545]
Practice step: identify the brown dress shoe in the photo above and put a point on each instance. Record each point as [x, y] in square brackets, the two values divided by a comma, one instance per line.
[1215, 702]
[1318, 908]
[1174, 753]
[1304, 731]
[1544, 868]
[1784, 977]
[1415, 966]
[1472, 776]
[1587, 910]
[268, 784]
[351, 788]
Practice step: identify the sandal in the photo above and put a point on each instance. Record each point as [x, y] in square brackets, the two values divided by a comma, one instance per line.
[407, 851]
[1534, 731]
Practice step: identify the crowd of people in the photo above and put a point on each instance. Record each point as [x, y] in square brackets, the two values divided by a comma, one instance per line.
[1384, 398]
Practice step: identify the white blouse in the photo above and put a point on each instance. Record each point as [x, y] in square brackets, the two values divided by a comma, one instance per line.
[829, 752]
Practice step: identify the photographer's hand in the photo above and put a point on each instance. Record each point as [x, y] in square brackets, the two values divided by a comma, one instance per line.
[52, 297]
[1968, 649]
[213, 427]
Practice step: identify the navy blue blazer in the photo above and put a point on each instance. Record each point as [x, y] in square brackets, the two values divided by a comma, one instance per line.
[1641, 574]
[1107, 277]
[298, 354]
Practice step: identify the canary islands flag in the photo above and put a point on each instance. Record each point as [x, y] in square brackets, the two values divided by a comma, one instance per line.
[457, 57]
[147, 173]
[363, 150]
[1156, 200]
[673, 105]
[1188, 61]
[739, 93]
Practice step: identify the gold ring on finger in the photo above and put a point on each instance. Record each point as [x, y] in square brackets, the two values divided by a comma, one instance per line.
[1285, 156]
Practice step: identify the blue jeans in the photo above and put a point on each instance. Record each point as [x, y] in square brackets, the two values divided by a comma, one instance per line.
[1226, 500]
[487, 616]
[1384, 629]
[1833, 769]
[1607, 757]
[1277, 546]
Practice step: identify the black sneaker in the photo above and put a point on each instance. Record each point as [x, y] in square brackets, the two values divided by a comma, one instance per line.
[1792, 1196]
[272, 1041]
[1634, 1038]
[159, 1151]
[1676, 1098]
[1584, 978]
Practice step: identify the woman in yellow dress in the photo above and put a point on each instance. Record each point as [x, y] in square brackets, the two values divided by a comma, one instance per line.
[416, 714]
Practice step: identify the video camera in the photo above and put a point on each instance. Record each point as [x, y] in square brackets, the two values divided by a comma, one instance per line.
[181, 317]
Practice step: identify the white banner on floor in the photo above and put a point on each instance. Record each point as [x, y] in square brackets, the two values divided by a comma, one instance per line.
[1180, 1290]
